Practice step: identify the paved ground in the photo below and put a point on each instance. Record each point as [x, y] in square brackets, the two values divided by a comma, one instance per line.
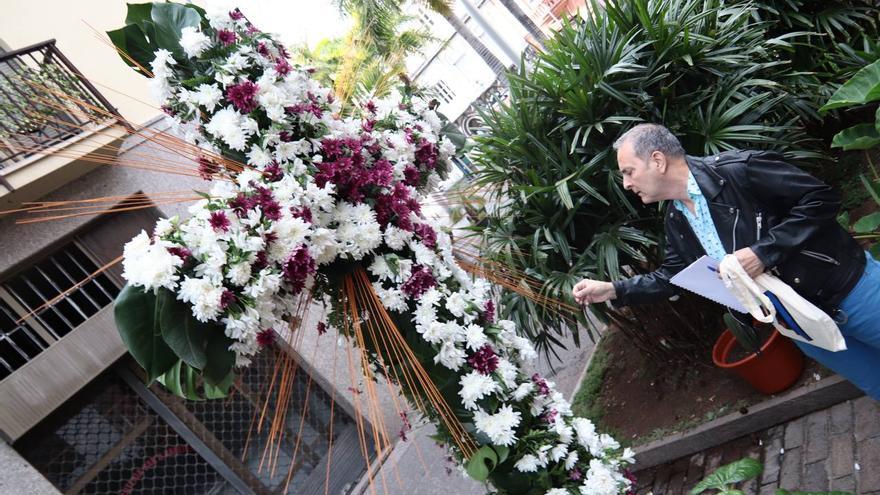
[833, 449]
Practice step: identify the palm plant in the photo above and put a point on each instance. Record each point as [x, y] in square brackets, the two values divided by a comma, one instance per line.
[704, 68]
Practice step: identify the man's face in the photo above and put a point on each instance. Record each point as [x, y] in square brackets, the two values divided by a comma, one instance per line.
[641, 176]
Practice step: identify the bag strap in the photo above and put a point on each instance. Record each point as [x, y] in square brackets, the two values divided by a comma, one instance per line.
[746, 290]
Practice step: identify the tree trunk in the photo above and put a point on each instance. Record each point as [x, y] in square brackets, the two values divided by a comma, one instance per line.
[525, 20]
[491, 60]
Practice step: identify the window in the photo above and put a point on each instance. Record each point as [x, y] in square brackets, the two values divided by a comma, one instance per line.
[444, 91]
[31, 319]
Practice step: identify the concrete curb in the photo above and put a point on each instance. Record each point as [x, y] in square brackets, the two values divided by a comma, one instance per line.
[804, 400]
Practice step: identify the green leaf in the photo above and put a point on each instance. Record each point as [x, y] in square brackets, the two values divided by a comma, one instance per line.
[864, 87]
[220, 390]
[140, 14]
[477, 467]
[858, 137]
[220, 358]
[137, 318]
[132, 41]
[564, 194]
[867, 223]
[169, 19]
[786, 492]
[735, 472]
[185, 335]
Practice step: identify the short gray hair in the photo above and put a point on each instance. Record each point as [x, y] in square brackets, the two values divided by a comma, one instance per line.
[648, 138]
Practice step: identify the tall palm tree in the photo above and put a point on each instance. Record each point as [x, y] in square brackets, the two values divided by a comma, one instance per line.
[525, 20]
[375, 14]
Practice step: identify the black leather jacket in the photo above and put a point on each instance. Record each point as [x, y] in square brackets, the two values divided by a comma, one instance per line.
[785, 215]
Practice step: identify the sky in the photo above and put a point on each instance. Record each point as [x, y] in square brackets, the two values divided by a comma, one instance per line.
[295, 21]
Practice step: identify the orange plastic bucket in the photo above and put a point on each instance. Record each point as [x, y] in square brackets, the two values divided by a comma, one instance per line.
[777, 368]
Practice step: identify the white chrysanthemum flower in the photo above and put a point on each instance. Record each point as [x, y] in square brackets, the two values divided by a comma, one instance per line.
[239, 273]
[258, 157]
[564, 431]
[475, 386]
[161, 64]
[572, 459]
[323, 246]
[425, 314]
[207, 95]
[203, 295]
[396, 238]
[499, 427]
[527, 464]
[475, 337]
[557, 491]
[450, 356]
[456, 304]
[558, 452]
[163, 227]
[523, 391]
[231, 127]
[628, 456]
[600, 480]
[392, 299]
[603, 443]
[193, 41]
[149, 265]
[585, 431]
[508, 372]
[380, 269]
[524, 347]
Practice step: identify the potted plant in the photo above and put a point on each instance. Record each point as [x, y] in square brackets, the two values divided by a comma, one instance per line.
[770, 364]
[724, 479]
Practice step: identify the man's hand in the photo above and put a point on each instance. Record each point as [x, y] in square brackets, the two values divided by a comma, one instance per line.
[749, 261]
[593, 291]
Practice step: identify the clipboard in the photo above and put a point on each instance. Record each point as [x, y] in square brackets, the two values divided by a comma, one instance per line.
[701, 278]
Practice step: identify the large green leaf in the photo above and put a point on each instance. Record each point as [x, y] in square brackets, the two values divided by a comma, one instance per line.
[482, 463]
[140, 14]
[857, 137]
[867, 223]
[735, 472]
[137, 319]
[220, 358]
[132, 41]
[864, 87]
[184, 334]
[169, 19]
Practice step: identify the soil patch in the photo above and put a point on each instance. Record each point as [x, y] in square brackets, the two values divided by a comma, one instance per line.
[638, 403]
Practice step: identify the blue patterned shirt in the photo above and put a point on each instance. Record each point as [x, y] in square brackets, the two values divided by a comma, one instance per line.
[701, 223]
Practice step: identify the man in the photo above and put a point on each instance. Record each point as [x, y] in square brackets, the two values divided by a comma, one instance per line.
[771, 216]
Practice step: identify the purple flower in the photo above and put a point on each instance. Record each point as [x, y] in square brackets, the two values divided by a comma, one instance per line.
[411, 176]
[322, 328]
[488, 315]
[262, 49]
[543, 388]
[266, 337]
[243, 96]
[575, 474]
[426, 234]
[261, 260]
[181, 252]
[228, 297]
[236, 15]
[370, 106]
[297, 268]
[219, 221]
[426, 154]
[302, 212]
[282, 67]
[484, 360]
[272, 172]
[550, 416]
[226, 37]
[420, 280]
[242, 204]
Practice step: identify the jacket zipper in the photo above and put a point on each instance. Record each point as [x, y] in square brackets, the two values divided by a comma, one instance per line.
[820, 257]
[735, 220]
[758, 221]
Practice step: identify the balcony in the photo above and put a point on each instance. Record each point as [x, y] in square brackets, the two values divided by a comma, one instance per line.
[51, 120]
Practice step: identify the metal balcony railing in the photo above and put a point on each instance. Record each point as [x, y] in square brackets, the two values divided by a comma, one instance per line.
[44, 100]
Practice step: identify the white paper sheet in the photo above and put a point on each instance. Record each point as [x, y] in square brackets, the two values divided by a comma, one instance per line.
[701, 278]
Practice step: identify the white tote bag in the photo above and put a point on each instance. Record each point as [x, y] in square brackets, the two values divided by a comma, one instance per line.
[770, 300]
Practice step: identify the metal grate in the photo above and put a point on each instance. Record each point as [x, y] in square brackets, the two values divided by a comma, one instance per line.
[42, 282]
[228, 427]
[107, 440]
